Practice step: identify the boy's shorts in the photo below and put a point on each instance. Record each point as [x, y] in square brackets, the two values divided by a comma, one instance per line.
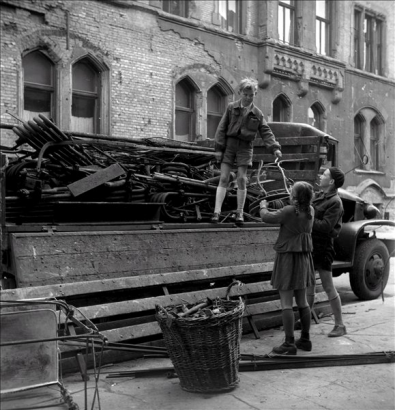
[238, 151]
[323, 253]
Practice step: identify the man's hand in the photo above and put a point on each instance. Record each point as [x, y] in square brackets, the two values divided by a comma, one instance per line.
[219, 155]
[278, 153]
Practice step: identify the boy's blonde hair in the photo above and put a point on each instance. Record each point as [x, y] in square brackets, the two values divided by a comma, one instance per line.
[248, 83]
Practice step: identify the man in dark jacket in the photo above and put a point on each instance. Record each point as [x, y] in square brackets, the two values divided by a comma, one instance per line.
[239, 126]
[327, 225]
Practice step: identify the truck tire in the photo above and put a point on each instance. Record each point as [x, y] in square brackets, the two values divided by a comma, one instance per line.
[369, 276]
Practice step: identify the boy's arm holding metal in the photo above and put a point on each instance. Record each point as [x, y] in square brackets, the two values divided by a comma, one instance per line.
[269, 139]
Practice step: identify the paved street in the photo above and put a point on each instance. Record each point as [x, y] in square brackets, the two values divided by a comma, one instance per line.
[371, 328]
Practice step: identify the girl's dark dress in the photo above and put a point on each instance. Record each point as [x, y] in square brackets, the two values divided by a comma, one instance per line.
[293, 266]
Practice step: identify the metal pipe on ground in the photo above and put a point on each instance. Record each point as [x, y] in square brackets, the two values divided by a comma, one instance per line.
[277, 362]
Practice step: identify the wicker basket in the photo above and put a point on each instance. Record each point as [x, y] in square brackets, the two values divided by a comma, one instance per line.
[205, 351]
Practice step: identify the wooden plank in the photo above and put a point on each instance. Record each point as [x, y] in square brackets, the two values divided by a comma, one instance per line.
[142, 305]
[271, 309]
[96, 179]
[132, 332]
[135, 282]
[116, 265]
[43, 259]
[152, 329]
[67, 242]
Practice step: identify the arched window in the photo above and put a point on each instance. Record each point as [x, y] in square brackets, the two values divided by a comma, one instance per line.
[185, 110]
[368, 136]
[374, 143]
[38, 75]
[316, 116]
[359, 150]
[215, 109]
[85, 105]
[281, 110]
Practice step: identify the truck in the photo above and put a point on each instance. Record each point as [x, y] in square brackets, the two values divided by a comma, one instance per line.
[127, 228]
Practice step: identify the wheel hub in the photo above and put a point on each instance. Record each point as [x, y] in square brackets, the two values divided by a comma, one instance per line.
[374, 271]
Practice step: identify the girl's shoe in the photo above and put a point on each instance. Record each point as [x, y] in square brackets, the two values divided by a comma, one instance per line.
[304, 344]
[285, 349]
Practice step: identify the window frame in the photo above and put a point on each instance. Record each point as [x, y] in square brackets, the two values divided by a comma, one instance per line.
[285, 112]
[359, 146]
[238, 18]
[223, 99]
[368, 43]
[369, 56]
[371, 145]
[52, 89]
[327, 24]
[191, 110]
[88, 94]
[319, 116]
[292, 8]
[358, 21]
[374, 144]
[184, 8]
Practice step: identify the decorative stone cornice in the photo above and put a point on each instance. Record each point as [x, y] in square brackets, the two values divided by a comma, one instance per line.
[303, 69]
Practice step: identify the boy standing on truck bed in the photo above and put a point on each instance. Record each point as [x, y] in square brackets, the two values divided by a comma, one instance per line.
[328, 209]
[238, 128]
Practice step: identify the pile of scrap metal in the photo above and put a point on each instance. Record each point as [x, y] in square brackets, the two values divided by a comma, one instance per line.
[75, 177]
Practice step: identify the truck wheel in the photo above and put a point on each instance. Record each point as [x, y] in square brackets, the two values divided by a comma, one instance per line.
[369, 276]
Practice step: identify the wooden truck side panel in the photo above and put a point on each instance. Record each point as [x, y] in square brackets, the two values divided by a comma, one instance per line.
[41, 259]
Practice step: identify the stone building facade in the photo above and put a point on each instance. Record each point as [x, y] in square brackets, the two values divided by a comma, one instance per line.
[148, 68]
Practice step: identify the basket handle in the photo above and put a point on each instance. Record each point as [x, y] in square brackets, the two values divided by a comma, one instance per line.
[234, 283]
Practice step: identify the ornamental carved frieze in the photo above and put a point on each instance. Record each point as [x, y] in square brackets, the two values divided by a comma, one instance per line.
[288, 66]
[304, 71]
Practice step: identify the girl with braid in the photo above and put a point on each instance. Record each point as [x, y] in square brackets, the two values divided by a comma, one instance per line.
[293, 269]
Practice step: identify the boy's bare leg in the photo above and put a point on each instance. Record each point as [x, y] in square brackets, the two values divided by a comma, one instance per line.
[241, 188]
[221, 189]
[333, 296]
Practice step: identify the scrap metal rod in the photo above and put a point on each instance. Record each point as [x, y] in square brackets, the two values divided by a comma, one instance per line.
[123, 347]
[281, 362]
[52, 339]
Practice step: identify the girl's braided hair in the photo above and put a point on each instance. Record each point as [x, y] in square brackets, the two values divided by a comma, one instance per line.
[302, 194]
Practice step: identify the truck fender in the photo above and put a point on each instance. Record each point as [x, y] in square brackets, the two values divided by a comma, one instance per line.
[351, 232]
